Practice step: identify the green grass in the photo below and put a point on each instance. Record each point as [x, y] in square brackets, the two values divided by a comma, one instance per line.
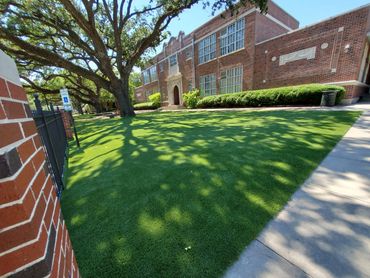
[142, 190]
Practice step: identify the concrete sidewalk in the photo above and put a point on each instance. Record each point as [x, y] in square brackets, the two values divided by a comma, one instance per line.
[358, 106]
[324, 231]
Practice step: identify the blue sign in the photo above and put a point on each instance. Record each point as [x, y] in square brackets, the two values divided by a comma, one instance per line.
[65, 99]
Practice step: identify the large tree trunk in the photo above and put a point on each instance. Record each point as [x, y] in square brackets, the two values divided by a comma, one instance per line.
[97, 107]
[121, 89]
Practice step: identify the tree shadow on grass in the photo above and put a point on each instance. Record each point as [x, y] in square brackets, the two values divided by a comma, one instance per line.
[144, 190]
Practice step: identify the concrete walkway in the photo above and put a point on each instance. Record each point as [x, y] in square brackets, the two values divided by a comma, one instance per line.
[324, 231]
[358, 106]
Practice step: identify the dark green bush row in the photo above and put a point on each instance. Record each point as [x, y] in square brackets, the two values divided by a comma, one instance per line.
[145, 106]
[309, 94]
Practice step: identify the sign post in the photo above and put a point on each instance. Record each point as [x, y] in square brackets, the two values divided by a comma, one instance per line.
[67, 105]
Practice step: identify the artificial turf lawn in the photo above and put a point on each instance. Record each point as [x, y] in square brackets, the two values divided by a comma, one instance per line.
[142, 190]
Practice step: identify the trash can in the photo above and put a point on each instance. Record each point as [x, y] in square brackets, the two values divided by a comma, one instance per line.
[328, 98]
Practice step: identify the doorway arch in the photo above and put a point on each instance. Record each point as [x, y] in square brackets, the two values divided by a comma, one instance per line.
[176, 95]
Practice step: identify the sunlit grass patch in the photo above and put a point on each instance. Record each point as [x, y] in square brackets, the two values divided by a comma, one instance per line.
[182, 194]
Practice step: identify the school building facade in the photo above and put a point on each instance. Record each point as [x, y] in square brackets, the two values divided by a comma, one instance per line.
[254, 51]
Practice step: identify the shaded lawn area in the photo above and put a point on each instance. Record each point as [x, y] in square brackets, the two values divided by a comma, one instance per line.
[142, 190]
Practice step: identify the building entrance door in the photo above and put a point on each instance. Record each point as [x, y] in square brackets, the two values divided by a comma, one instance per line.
[176, 96]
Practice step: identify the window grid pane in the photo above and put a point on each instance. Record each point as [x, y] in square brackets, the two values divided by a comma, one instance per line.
[208, 85]
[231, 80]
[146, 77]
[232, 37]
[153, 74]
[173, 60]
[207, 49]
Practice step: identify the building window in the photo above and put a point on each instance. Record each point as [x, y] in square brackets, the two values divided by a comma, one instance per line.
[207, 49]
[146, 77]
[153, 74]
[173, 60]
[174, 67]
[150, 75]
[161, 67]
[231, 80]
[232, 37]
[207, 85]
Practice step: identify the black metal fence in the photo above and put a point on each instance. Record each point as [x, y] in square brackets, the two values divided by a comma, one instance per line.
[51, 130]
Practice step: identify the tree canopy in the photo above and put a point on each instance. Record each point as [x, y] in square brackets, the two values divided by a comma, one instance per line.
[97, 40]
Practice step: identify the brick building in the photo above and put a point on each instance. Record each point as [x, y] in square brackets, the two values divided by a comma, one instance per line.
[254, 51]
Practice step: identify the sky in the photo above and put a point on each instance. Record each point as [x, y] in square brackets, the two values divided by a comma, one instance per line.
[305, 11]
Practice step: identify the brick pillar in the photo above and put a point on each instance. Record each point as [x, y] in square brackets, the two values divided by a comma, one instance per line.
[34, 240]
[67, 124]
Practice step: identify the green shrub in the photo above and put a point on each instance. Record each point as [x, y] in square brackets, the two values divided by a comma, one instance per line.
[191, 98]
[145, 106]
[155, 99]
[153, 103]
[309, 94]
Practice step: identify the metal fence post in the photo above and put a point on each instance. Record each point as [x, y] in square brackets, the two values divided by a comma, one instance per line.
[60, 129]
[64, 130]
[74, 129]
[49, 142]
[58, 119]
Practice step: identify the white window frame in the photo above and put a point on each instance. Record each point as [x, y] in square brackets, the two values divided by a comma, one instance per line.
[173, 65]
[150, 75]
[231, 80]
[170, 58]
[146, 77]
[188, 53]
[207, 85]
[232, 37]
[153, 73]
[207, 49]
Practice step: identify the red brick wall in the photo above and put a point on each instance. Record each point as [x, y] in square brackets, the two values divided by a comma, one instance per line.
[266, 28]
[355, 92]
[67, 124]
[34, 240]
[142, 94]
[331, 64]
[139, 94]
[283, 16]
[186, 68]
[265, 41]
[244, 57]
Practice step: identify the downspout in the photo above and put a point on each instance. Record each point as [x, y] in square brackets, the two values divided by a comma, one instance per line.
[193, 63]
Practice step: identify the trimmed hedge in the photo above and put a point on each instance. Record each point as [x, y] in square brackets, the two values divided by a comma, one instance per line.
[309, 94]
[145, 106]
[153, 103]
